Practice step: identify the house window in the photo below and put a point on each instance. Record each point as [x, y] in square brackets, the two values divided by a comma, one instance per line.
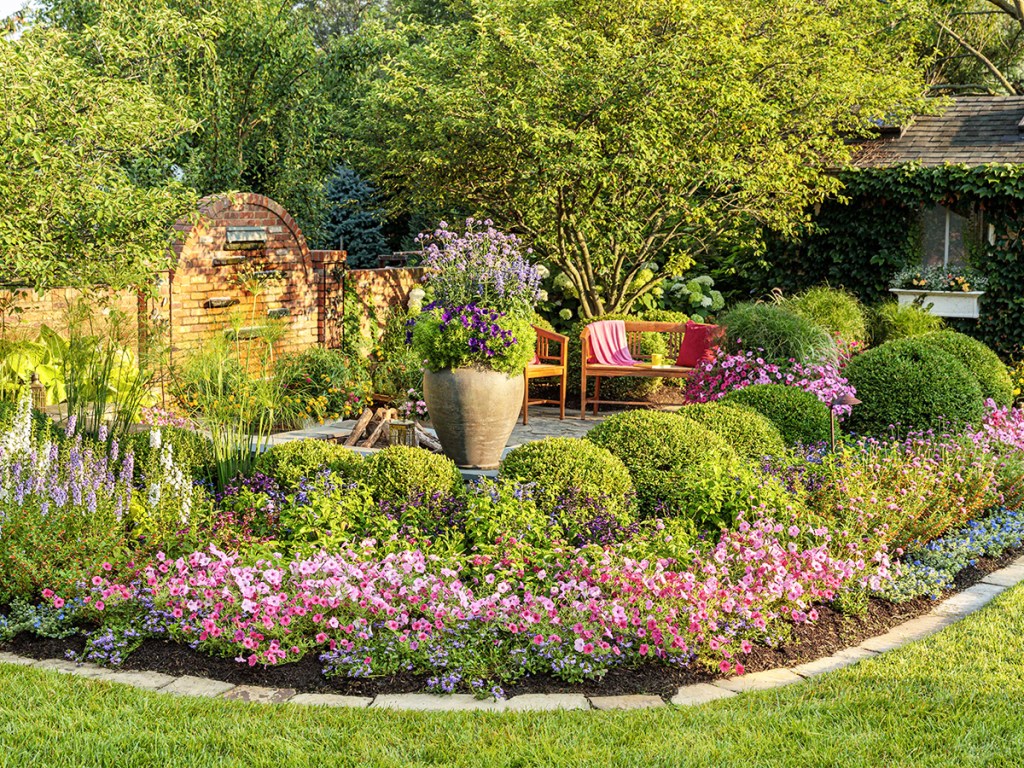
[945, 235]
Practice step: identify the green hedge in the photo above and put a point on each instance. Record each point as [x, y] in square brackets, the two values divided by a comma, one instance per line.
[679, 467]
[912, 385]
[289, 462]
[799, 416]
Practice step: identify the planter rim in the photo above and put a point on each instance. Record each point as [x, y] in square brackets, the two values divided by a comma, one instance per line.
[924, 292]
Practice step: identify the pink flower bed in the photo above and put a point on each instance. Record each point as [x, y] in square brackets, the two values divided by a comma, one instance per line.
[482, 618]
[715, 378]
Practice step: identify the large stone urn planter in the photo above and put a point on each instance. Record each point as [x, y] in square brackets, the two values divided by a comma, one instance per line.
[473, 410]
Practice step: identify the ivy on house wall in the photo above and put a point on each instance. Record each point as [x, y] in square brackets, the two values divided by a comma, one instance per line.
[861, 240]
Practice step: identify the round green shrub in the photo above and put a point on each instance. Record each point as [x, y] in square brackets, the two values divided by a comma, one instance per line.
[798, 415]
[984, 364]
[289, 462]
[563, 466]
[838, 312]
[749, 433]
[780, 333]
[912, 385]
[400, 473]
[679, 467]
[891, 321]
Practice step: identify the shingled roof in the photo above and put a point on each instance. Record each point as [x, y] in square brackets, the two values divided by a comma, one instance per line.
[972, 130]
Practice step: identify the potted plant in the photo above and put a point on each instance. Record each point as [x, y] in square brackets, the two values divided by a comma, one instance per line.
[475, 338]
[943, 291]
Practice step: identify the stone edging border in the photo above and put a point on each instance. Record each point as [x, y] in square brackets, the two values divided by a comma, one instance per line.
[945, 613]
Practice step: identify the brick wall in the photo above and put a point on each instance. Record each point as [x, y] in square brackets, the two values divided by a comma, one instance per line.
[373, 291]
[200, 296]
[203, 297]
[51, 309]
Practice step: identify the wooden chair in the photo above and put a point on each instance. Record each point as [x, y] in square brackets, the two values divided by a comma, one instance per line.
[634, 333]
[547, 365]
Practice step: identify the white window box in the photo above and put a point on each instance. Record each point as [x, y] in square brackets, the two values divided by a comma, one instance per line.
[942, 303]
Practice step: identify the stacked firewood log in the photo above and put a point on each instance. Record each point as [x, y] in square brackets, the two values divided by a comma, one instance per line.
[372, 430]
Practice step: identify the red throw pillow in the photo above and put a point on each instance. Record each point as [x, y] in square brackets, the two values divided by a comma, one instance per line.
[699, 344]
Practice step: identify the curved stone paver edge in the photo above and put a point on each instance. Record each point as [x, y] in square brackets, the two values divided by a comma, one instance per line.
[944, 614]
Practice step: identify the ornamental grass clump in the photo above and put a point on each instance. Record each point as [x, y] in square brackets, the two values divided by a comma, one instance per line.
[778, 334]
[837, 311]
[891, 320]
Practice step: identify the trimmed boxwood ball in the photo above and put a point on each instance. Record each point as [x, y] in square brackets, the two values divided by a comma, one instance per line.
[400, 473]
[750, 434]
[289, 462]
[798, 415]
[912, 385]
[568, 466]
[984, 364]
[671, 460]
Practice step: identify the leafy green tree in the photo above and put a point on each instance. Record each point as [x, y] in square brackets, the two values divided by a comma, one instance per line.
[624, 137]
[72, 211]
[978, 45]
[249, 75]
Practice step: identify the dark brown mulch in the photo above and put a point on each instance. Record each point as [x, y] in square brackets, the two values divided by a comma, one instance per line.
[832, 632]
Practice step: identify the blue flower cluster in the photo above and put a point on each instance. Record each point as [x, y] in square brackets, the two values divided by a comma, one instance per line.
[931, 569]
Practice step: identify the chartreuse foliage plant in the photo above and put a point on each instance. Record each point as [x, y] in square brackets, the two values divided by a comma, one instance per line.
[751, 434]
[911, 385]
[798, 415]
[891, 320]
[608, 132]
[982, 363]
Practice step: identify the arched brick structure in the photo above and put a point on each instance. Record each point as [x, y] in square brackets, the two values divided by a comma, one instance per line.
[230, 233]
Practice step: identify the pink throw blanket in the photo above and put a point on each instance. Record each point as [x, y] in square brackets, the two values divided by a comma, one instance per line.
[608, 343]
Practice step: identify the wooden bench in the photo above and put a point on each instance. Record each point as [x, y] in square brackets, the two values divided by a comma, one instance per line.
[634, 336]
[548, 365]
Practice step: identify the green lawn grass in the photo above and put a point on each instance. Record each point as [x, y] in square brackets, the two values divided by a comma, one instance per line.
[956, 699]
